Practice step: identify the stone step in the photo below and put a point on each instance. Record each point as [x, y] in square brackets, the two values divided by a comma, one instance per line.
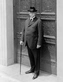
[12, 74]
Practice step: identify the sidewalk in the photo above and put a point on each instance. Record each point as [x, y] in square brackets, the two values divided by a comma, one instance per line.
[12, 74]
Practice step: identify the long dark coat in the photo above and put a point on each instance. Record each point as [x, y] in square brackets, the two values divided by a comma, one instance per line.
[32, 33]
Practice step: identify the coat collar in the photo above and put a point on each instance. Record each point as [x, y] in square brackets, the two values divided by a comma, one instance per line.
[32, 22]
[32, 18]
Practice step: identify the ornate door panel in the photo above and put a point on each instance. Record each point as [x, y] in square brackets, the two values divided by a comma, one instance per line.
[47, 12]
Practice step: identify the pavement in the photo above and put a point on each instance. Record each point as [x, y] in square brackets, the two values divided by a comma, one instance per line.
[12, 74]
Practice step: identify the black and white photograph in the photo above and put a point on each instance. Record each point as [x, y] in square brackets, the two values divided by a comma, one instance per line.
[31, 41]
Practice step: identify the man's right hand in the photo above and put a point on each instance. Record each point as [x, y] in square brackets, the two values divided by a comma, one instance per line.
[21, 42]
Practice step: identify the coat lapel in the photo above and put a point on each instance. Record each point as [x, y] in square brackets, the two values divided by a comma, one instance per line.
[32, 22]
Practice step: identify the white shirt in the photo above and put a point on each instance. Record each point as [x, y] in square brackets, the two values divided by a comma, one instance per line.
[31, 18]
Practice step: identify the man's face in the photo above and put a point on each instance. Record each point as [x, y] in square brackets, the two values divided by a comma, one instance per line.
[32, 14]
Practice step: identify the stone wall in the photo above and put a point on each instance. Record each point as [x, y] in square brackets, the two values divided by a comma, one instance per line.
[6, 32]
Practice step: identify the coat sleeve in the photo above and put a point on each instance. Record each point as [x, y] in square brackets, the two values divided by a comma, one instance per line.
[23, 30]
[39, 32]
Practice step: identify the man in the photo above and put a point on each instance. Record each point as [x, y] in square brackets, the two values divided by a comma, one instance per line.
[32, 38]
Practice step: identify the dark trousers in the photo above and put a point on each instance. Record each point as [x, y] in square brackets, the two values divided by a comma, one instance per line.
[34, 56]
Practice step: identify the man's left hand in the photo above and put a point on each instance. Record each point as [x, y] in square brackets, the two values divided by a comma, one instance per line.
[38, 46]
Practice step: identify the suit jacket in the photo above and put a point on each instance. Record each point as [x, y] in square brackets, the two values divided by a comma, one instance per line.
[32, 33]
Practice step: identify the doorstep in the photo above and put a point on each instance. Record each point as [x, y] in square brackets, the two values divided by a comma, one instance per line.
[12, 72]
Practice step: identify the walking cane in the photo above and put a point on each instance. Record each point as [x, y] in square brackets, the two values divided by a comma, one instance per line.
[20, 45]
[20, 57]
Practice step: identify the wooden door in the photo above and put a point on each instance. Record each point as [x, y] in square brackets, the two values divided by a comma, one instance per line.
[47, 12]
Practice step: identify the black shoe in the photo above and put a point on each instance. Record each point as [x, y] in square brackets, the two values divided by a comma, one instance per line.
[36, 74]
[29, 71]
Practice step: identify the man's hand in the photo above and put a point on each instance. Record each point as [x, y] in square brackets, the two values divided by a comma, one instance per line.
[38, 46]
[21, 42]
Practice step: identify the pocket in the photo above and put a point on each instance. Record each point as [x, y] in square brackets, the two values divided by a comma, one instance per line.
[34, 44]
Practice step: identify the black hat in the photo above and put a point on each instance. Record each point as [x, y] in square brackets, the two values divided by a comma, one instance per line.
[32, 9]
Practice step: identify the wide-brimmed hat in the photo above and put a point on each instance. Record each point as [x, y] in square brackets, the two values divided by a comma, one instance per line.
[32, 9]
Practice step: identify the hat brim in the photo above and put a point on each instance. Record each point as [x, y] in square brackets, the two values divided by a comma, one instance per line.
[32, 11]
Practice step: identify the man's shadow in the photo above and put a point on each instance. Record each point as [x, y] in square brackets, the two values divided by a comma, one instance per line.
[45, 59]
